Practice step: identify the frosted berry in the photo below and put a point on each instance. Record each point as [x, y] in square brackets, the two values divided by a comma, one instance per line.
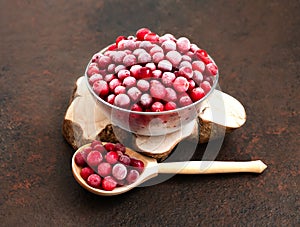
[86, 172]
[157, 90]
[145, 100]
[104, 169]
[108, 183]
[183, 44]
[112, 157]
[94, 180]
[205, 86]
[185, 101]
[129, 82]
[94, 158]
[124, 159]
[119, 171]
[143, 85]
[165, 65]
[132, 176]
[134, 94]
[168, 78]
[181, 84]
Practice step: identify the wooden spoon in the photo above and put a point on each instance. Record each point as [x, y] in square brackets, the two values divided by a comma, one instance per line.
[152, 169]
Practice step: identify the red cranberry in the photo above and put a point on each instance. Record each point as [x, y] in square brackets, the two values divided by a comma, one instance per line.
[132, 176]
[192, 85]
[94, 180]
[137, 164]
[109, 183]
[111, 98]
[212, 68]
[140, 34]
[157, 90]
[152, 37]
[157, 107]
[136, 107]
[104, 169]
[109, 146]
[120, 147]
[119, 171]
[79, 159]
[143, 85]
[122, 100]
[170, 106]
[194, 47]
[124, 159]
[112, 47]
[100, 87]
[144, 72]
[94, 158]
[86, 172]
[197, 94]
[181, 84]
[119, 38]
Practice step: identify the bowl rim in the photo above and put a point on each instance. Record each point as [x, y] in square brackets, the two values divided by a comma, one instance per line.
[213, 87]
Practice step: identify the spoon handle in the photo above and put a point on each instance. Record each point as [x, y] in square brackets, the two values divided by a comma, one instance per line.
[211, 167]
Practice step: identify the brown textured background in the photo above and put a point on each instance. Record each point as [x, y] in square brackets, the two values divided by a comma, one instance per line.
[45, 46]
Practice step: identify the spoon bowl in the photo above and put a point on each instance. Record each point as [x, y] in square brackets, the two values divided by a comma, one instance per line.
[152, 169]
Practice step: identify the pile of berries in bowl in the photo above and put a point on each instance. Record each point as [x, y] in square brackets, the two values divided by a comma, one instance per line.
[150, 84]
[106, 166]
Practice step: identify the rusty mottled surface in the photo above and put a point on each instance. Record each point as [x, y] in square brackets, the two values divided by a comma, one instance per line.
[45, 46]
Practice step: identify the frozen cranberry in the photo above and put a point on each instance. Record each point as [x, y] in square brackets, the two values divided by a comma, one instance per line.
[186, 58]
[197, 77]
[145, 100]
[183, 44]
[95, 77]
[134, 94]
[122, 100]
[143, 85]
[157, 57]
[169, 37]
[170, 106]
[119, 67]
[170, 94]
[120, 90]
[103, 62]
[205, 86]
[194, 47]
[138, 51]
[156, 73]
[118, 56]
[168, 45]
[109, 183]
[86, 172]
[155, 49]
[146, 45]
[151, 37]
[86, 151]
[174, 57]
[157, 107]
[181, 84]
[144, 72]
[79, 159]
[112, 47]
[109, 146]
[157, 89]
[138, 164]
[111, 68]
[111, 98]
[92, 70]
[165, 65]
[132, 176]
[212, 68]
[94, 158]
[151, 66]
[143, 58]
[197, 94]
[129, 60]
[96, 57]
[104, 169]
[168, 78]
[185, 64]
[140, 34]
[129, 81]
[202, 55]
[134, 70]
[114, 83]
[109, 77]
[119, 171]
[101, 88]
[112, 157]
[94, 180]
[100, 148]
[186, 72]
[199, 66]
[120, 147]
[185, 101]
[124, 159]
